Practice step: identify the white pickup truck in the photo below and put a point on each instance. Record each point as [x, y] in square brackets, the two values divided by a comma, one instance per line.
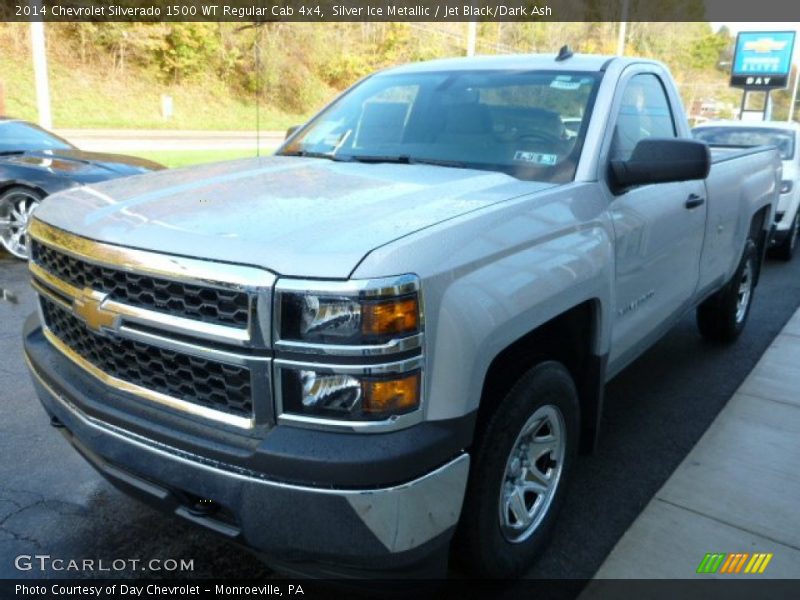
[390, 340]
[786, 138]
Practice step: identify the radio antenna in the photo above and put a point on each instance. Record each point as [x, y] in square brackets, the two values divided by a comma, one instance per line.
[257, 47]
[564, 53]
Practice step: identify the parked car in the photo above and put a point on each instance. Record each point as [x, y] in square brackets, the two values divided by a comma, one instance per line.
[785, 137]
[398, 329]
[35, 163]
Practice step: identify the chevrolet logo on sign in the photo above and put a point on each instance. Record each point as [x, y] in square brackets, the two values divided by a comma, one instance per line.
[763, 45]
[89, 308]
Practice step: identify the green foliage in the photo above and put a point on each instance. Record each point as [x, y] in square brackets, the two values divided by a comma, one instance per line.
[707, 50]
[185, 158]
[340, 70]
[296, 67]
[188, 48]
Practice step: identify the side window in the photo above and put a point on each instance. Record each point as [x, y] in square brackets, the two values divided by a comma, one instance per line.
[644, 113]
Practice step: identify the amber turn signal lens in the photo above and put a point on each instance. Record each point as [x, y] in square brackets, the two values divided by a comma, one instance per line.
[390, 317]
[393, 396]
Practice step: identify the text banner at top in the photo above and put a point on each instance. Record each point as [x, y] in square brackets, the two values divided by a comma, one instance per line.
[249, 11]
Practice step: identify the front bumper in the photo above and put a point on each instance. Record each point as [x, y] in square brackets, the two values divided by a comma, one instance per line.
[306, 528]
[778, 237]
[788, 205]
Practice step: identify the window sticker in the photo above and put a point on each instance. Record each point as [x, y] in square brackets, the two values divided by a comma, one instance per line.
[536, 158]
[565, 85]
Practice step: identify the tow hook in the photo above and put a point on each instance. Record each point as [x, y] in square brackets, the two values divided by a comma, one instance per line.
[203, 508]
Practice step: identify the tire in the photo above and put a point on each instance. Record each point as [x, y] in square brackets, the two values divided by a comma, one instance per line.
[786, 249]
[16, 207]
[490, 540]
[722, 317]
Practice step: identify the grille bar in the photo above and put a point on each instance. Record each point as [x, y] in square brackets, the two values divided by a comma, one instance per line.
[202, 303]
[166, 376]
[48, 284]
[186, 333]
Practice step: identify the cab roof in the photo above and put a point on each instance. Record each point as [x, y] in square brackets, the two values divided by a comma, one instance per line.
[519, 62]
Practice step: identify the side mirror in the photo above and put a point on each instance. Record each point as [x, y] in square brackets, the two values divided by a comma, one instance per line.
[661, 160]
[291, 130]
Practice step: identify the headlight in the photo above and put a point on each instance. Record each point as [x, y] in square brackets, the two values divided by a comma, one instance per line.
[786, 187]
[364, 314]
[349, 397]
[349, 352]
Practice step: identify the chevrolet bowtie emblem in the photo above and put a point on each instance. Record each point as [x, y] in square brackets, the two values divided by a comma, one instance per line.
[89, 308]
[763, 45]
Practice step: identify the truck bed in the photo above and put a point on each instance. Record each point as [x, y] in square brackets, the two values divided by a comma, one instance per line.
[723, 153]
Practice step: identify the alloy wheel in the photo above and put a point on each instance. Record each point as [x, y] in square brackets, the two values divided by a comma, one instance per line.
[745, 291]
[532, 474]
[15, 213]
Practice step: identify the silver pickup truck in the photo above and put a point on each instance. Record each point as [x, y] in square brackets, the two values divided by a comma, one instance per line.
[390, 340]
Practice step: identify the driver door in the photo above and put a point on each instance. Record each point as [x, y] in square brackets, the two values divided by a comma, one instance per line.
[658, 228]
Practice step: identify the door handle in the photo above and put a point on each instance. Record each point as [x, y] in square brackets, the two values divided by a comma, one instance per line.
[693, 201]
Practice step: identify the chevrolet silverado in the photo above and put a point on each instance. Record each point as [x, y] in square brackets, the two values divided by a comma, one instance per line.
[387, 343]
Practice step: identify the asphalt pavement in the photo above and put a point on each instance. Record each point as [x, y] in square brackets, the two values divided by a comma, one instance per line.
[52, 502]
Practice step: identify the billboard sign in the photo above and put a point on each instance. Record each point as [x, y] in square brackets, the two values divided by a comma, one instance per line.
[763, 60]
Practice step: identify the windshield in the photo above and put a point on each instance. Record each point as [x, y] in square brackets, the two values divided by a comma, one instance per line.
[528, 124]
[748, 136]
[18, 136]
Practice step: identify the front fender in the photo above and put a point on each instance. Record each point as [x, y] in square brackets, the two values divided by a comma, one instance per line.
[42, 181]
[493, 276]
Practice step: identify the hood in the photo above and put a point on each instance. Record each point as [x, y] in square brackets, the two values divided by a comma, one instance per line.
[295, 216]
[80, 166]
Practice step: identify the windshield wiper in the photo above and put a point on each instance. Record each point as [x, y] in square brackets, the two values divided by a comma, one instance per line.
[11, 152]
[312, 154]
[408, 160]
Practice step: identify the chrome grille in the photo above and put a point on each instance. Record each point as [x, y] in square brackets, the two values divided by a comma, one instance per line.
[191, 335]
[189, 378]
[207, 304]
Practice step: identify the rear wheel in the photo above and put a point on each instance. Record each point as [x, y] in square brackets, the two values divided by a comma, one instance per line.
[16, 207]
[722, 317]
[519, 474]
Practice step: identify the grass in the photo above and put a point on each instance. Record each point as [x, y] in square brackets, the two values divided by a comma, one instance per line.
[184, 158]
[91, 97]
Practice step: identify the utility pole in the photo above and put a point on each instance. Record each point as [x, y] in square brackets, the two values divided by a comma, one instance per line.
[794, 93]
[623, 28]
[472, 34]
[40, 74]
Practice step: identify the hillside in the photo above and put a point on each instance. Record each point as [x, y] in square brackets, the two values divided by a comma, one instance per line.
[90, 96]
[113, 75]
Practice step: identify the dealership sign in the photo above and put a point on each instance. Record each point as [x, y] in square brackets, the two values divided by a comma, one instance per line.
[763, 60]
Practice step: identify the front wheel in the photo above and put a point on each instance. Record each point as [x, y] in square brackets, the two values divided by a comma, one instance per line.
[722, 317]
[16, 207]
[519, 474]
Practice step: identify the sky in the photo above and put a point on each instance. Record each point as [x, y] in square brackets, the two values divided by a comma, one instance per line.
[736, 27]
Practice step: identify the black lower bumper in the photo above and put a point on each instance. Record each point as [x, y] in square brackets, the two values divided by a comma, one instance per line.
[778, 237]
[403, 526]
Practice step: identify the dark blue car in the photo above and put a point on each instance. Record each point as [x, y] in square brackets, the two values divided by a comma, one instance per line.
[35, 163]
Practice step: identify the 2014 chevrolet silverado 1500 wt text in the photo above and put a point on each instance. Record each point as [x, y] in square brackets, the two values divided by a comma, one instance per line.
[390, 340]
